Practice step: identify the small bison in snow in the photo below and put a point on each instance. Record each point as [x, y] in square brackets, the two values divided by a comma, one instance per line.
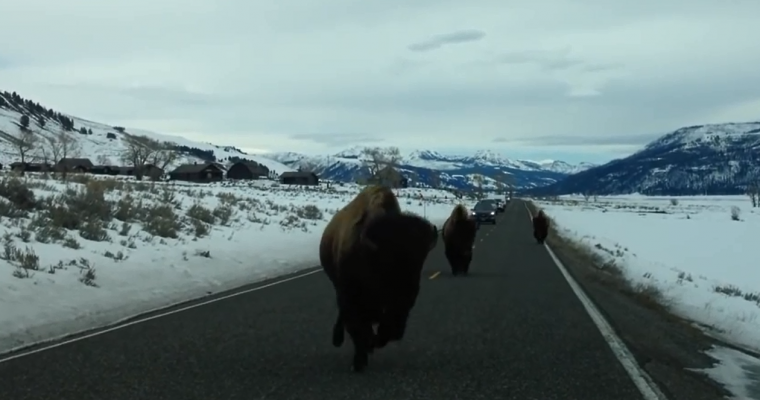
[459, 233]
[373, 254]
[540, 227]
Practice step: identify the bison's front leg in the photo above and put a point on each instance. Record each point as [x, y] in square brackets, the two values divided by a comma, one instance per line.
[466, 261]
[338, 332]
[359, 329]
[362, 336]
[383, 335]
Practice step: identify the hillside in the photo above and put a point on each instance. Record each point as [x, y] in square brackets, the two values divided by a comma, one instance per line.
[101, 143]
[711, 159]
[427, 166]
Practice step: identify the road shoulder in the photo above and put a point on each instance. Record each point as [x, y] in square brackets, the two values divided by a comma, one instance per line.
[664, 345]
[210, 297]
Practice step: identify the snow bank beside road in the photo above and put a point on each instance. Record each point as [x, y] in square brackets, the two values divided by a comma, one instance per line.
[701, 252]
[96, 250]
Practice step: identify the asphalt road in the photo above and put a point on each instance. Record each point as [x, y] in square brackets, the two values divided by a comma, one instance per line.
[512, 329]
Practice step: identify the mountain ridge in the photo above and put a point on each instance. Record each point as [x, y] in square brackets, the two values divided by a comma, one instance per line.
[711, 159]
[428, 166]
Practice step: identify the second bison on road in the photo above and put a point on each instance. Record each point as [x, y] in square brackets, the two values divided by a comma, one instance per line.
[459, 233]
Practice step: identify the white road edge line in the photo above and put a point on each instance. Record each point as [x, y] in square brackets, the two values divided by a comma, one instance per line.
[640, 378]
[163, 314]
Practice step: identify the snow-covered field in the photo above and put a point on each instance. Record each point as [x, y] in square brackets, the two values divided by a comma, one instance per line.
[94, 250]
[701, 252]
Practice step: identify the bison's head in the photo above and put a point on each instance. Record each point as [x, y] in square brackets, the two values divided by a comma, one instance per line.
[395, 247]
[397, 242]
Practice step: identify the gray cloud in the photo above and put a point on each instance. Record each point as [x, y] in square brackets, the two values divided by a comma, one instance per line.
[171, 95]
[580, 140]
[337, 139]
[259, 75]
[550, 60]
[456, 37]
[554, 60]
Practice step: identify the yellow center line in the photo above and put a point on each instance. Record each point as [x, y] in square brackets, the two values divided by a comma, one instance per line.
[435, 275]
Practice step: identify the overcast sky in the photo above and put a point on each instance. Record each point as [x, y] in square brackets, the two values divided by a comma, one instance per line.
[568, 79]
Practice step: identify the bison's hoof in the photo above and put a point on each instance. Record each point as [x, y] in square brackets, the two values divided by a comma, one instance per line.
[337, 338]
[360, 363]
[378, 342]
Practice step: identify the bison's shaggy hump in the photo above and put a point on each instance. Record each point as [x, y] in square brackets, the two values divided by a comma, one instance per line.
[459, 213]
[459, 225]
[341, 233]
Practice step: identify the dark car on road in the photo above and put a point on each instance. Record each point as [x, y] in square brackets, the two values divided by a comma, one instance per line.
[498, 203]
[484, 211]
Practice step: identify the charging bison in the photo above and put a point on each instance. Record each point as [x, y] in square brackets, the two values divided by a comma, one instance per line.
[540, 227]
[373, 254]
[459, 232]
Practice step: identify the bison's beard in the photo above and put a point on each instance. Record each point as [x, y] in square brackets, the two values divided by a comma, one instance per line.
[391, 328]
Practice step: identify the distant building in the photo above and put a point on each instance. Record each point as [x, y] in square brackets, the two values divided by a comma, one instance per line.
[30, 167]
[200, 173]
[80, 165]
[299, 178]
[247, 170]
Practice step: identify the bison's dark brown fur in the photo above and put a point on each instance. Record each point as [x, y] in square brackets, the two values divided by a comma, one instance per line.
[459, 232]
[540, 227]
[373, 254]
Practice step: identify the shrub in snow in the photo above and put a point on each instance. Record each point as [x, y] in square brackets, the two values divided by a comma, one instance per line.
[735, 213]
[309, 212]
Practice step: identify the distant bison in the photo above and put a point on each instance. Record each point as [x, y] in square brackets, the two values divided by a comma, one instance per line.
[540, 227]
[459, 232]
[373, 254]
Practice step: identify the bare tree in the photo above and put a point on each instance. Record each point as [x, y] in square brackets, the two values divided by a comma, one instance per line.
[23, 143]
[162, 157]
[142, 150]
[479, 181]
[434, 179]
[377, 158]
[753, 191]
[102, 159]
[500, 186]
[58, 146]
[586, 196]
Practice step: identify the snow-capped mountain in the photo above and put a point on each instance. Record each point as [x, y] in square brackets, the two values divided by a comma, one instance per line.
[701, 159]
[427, 166]
[99, 142]
[563, 167]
